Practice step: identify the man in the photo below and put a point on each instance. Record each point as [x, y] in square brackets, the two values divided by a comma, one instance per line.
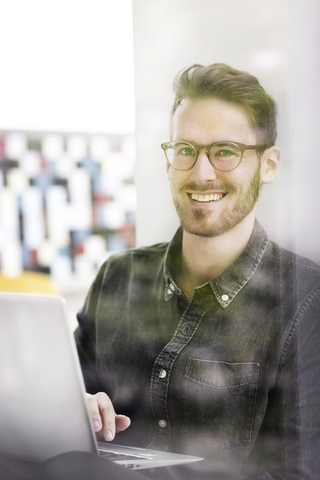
[210, 344]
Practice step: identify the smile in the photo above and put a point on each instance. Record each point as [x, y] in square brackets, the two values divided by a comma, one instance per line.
[212, 197]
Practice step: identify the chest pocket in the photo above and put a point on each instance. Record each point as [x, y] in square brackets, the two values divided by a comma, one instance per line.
[219, 399]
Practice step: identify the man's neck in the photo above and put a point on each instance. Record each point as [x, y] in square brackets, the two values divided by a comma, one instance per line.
[205, 258]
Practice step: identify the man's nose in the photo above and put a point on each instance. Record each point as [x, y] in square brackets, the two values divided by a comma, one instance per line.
[203, 170]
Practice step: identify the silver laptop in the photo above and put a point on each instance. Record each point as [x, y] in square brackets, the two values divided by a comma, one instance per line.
[43, 409]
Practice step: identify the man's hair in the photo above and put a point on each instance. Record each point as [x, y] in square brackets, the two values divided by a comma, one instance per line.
[226, 83]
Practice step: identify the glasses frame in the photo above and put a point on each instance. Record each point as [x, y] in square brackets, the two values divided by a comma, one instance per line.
[242, 147]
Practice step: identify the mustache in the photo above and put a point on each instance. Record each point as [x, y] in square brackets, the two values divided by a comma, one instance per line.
[204, 188]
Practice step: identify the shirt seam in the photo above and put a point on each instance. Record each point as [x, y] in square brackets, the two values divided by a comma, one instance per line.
[292, 264]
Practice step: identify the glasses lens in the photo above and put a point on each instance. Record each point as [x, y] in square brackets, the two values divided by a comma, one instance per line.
[181, 155]
[225, 156]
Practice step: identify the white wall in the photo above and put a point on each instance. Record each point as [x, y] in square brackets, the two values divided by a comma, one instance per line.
[304, 123]
[276, 41]
[67, 66]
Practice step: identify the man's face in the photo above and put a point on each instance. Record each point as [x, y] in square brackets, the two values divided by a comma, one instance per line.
[210, 202]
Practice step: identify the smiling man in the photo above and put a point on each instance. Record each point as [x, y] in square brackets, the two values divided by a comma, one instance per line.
[216, 200]
[217, 205]
[210, 343]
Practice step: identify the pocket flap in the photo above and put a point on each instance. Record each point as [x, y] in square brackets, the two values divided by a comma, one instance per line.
[217, 374]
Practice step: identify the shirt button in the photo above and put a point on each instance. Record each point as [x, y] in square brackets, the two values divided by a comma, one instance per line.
[162, 373]
[162, 423]
[225, 297]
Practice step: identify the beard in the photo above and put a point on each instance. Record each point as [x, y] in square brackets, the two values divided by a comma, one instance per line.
[199, 222]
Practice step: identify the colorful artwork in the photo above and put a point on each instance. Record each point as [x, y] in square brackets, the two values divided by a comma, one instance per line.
[66, 202]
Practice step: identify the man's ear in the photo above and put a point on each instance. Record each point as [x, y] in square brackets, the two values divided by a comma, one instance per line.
[168, 167]
[270, 164]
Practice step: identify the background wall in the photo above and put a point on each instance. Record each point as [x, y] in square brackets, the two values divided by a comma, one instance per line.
[67, 66]
[278, 42]
[66, 141]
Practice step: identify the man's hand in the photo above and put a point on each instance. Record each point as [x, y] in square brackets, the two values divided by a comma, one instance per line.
[104, 417]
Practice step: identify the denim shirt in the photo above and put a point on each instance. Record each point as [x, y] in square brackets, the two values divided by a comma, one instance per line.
[232, 375]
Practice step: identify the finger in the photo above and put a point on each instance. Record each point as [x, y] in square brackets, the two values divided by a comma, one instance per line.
[95, 413]
[122, 422]
[107, 415]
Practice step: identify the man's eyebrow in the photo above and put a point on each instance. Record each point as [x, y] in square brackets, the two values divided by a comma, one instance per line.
[211, 143]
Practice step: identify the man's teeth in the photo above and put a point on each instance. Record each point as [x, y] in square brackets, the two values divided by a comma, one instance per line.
[213, 197]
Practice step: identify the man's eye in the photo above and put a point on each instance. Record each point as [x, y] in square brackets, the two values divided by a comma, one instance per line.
[187, 151]
[225, 153]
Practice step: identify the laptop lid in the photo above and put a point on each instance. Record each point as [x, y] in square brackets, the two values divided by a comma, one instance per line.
[43, 409]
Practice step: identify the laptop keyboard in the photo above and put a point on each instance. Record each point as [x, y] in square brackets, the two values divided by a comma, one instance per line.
[120, 456]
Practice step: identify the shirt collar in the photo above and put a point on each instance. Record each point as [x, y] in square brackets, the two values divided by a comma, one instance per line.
[231, 281]
[172, 257]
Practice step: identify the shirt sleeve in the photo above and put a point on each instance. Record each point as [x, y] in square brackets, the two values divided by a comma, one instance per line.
[86, 338]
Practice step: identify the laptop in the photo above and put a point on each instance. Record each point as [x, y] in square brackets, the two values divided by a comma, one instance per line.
[43, 408]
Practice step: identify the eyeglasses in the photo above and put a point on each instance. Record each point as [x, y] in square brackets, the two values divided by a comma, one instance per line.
[224, 156]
